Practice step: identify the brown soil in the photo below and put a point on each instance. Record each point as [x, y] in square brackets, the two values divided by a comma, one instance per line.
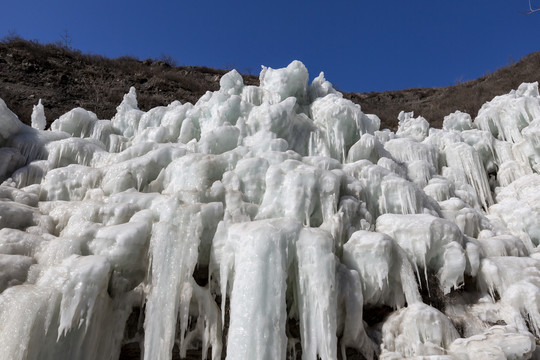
[435, 103]
[66, 78]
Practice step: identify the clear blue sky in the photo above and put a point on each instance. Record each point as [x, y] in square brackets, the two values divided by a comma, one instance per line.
[360, 45]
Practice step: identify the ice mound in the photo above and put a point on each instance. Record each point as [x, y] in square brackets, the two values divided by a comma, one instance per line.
[499, 342]
[431, 243]
[271, 222]
[393, 283]
[416, 330]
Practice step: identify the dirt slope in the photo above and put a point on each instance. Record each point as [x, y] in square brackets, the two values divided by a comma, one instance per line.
[435, 103]
[65, 78]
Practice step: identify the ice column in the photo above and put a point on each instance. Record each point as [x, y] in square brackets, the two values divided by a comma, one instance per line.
[315, 285]
[173, 248]
[38, 117]
[256, 257]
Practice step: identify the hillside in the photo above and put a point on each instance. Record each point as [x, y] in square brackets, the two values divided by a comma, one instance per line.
[435, 103]
[65, 78]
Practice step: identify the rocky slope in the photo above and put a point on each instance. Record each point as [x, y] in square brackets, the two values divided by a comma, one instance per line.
[65, 78]
[435, 103]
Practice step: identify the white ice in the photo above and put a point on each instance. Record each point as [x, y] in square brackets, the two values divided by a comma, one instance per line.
[38, 117]
[265, 222]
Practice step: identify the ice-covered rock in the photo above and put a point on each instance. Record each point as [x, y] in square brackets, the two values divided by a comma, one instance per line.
[286, 82]
[127, 117]
[499, 342]
[466, 167]
[417, 330]
[458, 121]
[13, 270]
[393, 283]
[431, 243]
[507, 115]
[416, 129]
[301, 192]
[518, 208]
[339, 123]
[11, 125]
[171, 267]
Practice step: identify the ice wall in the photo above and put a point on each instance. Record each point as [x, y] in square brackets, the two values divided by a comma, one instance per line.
[271, 222]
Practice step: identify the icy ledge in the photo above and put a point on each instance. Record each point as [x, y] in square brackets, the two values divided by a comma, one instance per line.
[271, 222]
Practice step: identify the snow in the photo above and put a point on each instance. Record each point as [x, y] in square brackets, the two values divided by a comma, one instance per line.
[268, 222]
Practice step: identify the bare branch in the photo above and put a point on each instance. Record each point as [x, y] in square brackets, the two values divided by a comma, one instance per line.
[65, 40]
[531, 10]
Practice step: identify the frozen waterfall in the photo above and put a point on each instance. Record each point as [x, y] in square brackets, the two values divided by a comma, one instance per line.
[271, 222]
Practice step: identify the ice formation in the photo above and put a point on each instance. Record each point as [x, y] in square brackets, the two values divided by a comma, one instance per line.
[271, 222]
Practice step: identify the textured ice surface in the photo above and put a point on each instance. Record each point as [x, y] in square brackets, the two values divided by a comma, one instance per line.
[415, 331]
[393, 283]
[432, 244]
[255, 260]
[506, 116]
[271, 222]
[499, 342]
[38, 116]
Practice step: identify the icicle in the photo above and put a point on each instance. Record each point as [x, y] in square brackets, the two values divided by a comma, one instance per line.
[465, 158]
[173, 249]
[315, 281]
[258, 316]
[393, 283]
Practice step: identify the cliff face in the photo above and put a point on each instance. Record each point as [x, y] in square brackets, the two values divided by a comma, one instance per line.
[65, 79]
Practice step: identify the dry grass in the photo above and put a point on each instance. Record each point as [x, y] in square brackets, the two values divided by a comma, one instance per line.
[435, 103]
[65, 78]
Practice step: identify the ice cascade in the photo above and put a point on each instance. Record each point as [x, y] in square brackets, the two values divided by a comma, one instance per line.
[271, 222]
